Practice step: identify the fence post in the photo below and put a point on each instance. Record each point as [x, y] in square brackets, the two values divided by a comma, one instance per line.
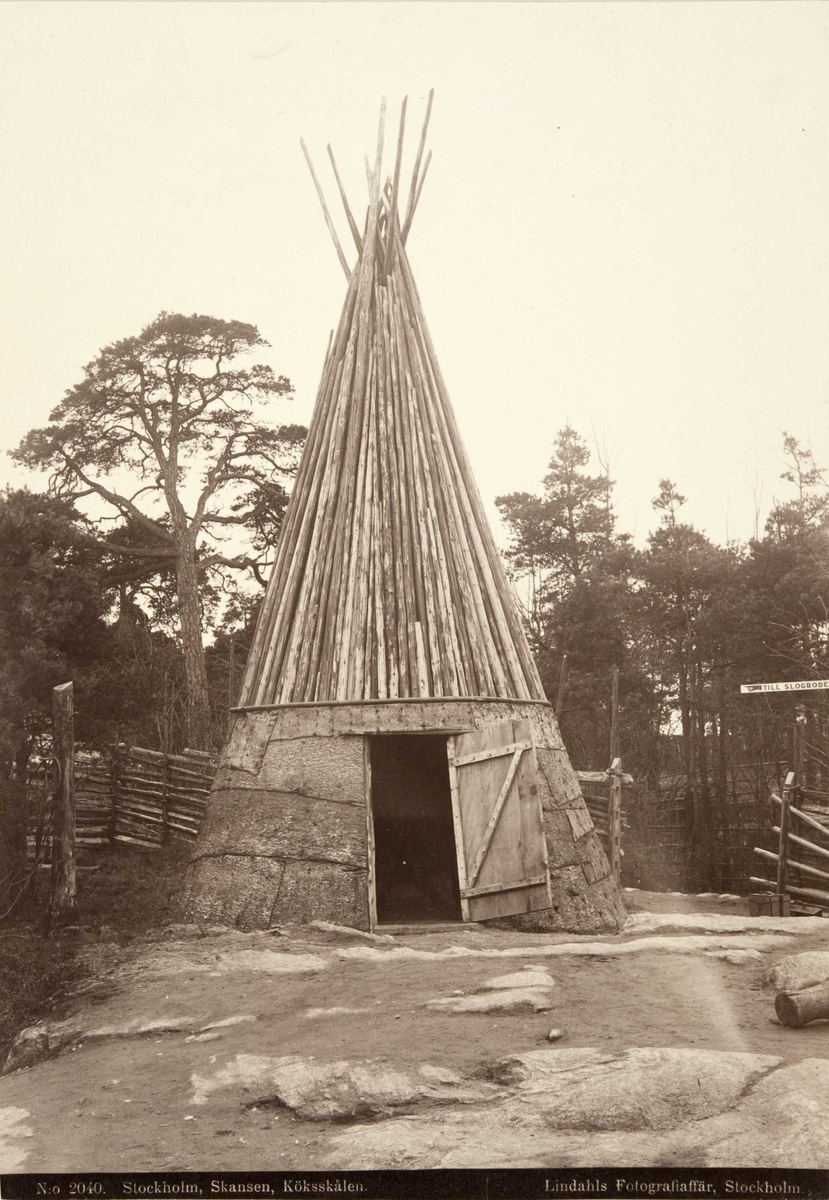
[63, 800]
[783, 846]
[800, 749]
[614, 716]
[614, 807]
[165, 777]
[615, 818]
[113, 792]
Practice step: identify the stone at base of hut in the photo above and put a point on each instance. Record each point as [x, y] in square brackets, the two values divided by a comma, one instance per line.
[284, 839]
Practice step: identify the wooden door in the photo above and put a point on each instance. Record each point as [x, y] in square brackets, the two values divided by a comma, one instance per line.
[499, 828]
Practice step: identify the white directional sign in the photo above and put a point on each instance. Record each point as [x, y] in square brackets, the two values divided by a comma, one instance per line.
[801, 685]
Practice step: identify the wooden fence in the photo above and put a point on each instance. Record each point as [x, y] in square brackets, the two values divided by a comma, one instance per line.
[802, 847]
[140, 797]
[144, 797]
[666, 828]
[602, 791]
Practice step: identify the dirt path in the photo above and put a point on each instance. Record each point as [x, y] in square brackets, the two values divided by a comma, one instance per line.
[121, 1097]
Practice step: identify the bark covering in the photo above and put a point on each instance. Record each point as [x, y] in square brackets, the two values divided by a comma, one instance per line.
[285, 835]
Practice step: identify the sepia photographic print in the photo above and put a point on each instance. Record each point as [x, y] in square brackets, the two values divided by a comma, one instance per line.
[414, 599]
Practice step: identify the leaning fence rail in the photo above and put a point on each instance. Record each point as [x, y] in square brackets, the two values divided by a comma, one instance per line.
[809, 851]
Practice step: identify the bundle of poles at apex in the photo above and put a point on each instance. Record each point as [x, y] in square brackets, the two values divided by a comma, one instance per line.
[387, 581]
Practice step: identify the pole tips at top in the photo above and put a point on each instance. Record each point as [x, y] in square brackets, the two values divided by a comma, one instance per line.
[386, 194]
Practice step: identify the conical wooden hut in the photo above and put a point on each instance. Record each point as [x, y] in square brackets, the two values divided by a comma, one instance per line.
[393, 758]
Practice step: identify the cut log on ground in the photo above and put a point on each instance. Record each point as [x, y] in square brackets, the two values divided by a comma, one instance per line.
[795, 1009]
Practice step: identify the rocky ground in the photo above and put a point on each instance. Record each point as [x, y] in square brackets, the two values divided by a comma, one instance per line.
[316, 1048]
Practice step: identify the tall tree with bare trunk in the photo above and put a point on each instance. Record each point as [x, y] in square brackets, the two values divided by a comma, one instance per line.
[172, 412]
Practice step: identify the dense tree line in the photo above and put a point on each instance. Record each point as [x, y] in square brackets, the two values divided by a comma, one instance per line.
[685, 620]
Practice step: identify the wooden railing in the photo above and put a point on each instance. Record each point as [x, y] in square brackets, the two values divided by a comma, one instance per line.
[792, 804]
[602, 791]
[140, 797]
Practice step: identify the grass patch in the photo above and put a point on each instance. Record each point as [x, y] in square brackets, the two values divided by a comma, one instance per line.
[131, 891]
[33, 969]
[128, 892]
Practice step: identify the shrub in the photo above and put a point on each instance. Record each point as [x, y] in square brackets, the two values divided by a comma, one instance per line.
[32, 970]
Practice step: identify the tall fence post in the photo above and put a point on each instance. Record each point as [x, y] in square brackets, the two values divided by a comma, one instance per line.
[615, 818]
[63, 800]
[614, 716]
[783, 846]
[799, 761]
[165, 799]
[113, 792]
[614, 810]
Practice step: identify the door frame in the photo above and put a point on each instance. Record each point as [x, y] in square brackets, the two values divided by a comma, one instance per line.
[371, 879]
[448, 735]
[456, 823]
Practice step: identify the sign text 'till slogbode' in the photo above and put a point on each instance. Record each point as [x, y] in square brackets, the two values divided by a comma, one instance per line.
[800, 685]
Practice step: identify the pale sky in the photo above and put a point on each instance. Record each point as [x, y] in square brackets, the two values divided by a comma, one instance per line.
[625, 223]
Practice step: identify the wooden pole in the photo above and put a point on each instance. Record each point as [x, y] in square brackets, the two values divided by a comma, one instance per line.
[799, 747]
[352, 224]
[806, 820]
[798, 866]
[326, 213]
[414, 190]
[483, 660]
[113, 811]
[165, 800]
[420, 184]
[63, 801]
[614, 813]
[378, 161]
[783, 845]
[615, 818]
[390, 240]
[813, 895]
[797, 755]
[504, 620]
[614, 716]
[799, 841]
[303, 521]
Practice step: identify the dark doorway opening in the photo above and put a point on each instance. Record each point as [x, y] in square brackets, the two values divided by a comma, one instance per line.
[416, 872]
